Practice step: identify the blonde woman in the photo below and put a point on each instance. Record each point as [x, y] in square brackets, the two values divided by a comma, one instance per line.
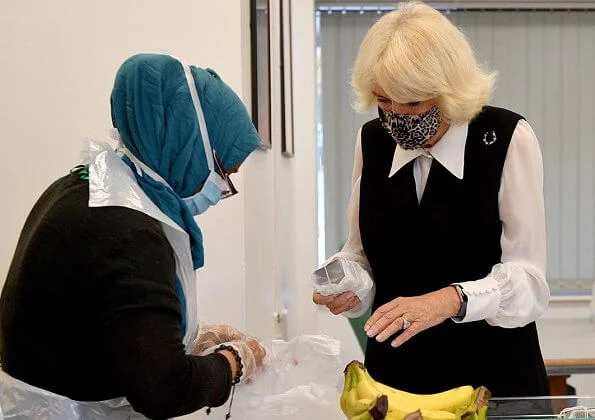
[447, 216]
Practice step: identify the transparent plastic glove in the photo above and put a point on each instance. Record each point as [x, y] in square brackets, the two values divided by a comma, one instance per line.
[211, 335]
[251, 352]
[344, 286]
[340, 276]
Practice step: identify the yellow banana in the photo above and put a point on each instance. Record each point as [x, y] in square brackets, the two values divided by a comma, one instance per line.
[361, 390]
[367, 390]
[363, 416]
[455, 400]
[397, 413]
[358, 381]
[376, 410]
[479, 404]
[358, 395]
[349, 404]
[345, 400]
[380, 411]
[438, 415]
[361, 405]
[479, 409]
[422, 414]
[355, 407]
[482, 412]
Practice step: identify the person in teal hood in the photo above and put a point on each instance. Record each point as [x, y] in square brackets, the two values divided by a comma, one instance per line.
[98, 316]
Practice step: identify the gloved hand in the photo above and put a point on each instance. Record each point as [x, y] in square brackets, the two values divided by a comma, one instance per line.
[211, 335]
[251, 352]
[345, 301]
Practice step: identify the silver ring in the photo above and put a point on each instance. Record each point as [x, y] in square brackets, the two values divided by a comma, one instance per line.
[406, 323]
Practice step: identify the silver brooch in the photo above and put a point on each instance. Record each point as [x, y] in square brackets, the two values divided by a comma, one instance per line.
[491, 139]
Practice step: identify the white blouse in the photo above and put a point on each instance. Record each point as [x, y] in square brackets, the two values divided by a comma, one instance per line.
[515, 293]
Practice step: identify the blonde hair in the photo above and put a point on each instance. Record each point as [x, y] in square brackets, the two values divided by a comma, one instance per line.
[414, 54]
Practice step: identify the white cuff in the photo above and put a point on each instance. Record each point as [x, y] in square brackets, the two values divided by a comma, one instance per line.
[483, 299]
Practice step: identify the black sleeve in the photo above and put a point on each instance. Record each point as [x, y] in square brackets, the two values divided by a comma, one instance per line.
[140, 319]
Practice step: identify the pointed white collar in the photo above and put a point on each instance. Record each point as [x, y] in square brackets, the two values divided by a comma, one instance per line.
[449, 151]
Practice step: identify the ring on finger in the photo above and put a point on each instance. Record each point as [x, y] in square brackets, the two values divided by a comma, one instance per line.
[406, 323]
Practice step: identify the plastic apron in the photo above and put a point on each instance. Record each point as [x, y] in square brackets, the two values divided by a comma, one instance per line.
[112, 183]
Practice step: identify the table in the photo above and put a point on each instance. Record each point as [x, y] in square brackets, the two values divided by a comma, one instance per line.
[559, 370]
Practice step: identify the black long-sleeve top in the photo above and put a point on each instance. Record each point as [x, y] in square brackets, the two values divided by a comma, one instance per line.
[89, 309]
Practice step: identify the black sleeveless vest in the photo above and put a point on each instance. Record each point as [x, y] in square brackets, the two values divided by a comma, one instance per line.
[452, 235]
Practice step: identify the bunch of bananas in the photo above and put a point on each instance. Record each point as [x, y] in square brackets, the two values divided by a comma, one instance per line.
[363, 398]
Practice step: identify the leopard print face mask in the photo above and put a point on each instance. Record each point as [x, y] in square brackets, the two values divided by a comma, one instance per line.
[411, 131]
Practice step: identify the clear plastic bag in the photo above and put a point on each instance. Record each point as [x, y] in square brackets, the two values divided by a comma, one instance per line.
[344, 275]
[301, 378]
[21, 401]
[578, 412]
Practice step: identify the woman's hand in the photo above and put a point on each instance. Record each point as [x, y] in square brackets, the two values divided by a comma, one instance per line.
[421, 312]
[233, 363]
[211, 335]
[337, 304]
[251, 353]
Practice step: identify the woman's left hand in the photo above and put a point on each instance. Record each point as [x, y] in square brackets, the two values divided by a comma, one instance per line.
[420, 312]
